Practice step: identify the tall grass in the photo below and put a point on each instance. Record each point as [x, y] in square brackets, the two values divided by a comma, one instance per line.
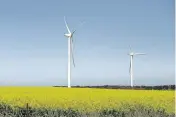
[129, 111]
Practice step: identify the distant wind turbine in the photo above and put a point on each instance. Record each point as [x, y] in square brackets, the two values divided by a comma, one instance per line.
[69, 35]
[132, 54]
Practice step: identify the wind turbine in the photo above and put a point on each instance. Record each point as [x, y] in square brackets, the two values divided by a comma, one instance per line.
[132, 54]
[69, 35]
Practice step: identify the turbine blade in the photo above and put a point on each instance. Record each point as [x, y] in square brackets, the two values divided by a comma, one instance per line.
[66, 25]
[73, 32]
[130, 67]
[130, 48]
[140, 54]
[72, 52]
[78, 27]
[72, 42]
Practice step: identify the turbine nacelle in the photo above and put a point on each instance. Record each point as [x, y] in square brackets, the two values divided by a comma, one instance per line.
[68, 35]
[131, 54]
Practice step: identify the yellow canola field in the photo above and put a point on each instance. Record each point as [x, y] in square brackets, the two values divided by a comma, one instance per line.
[85, 99]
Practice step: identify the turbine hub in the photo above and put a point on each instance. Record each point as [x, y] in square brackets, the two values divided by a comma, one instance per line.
[68, 35]
[131, 54]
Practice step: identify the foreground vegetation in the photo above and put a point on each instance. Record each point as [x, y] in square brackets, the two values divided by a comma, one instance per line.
[125, 111]
[54, 101]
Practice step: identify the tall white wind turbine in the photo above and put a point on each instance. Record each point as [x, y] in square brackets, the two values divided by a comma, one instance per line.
[69, 35]
[132, 54]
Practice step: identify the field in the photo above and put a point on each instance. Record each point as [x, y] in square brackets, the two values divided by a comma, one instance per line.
[87, 100]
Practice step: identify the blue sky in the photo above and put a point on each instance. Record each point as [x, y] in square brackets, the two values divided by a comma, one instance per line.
[33, 49]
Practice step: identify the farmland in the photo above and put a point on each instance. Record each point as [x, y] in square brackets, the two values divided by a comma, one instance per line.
[86, 100]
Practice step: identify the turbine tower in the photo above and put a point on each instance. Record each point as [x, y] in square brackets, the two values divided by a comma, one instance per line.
[69, 35]
[132, 54]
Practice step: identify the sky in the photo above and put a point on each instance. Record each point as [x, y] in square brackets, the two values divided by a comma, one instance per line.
[33, 49]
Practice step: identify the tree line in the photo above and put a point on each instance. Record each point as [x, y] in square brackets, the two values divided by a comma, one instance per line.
[142, 87]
